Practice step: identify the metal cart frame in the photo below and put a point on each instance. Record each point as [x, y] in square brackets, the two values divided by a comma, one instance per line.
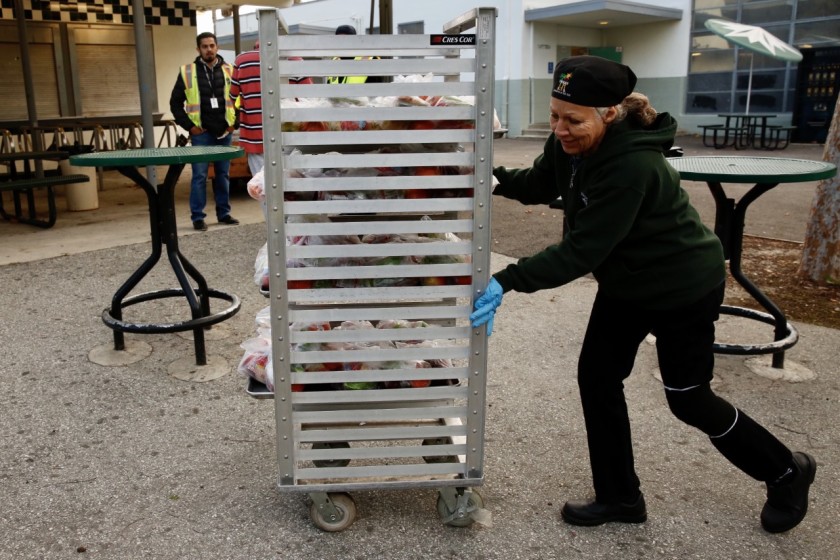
[425, 436]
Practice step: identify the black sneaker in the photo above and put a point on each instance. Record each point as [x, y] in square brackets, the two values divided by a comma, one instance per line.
[200, 225]
[229, 220]
[592, 513]
[787, 503]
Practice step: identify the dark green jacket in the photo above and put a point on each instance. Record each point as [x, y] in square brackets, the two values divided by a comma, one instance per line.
[629, 222]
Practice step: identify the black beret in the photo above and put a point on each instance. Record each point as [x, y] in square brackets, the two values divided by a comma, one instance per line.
[345, 30]
[592, 81]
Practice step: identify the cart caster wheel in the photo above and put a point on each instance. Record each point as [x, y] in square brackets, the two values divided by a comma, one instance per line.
[474, 502]
[326, 463]
[439, 458]
[345, 513]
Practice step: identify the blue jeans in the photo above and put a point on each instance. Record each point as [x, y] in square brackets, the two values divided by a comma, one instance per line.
[221, 182]
[255, 162]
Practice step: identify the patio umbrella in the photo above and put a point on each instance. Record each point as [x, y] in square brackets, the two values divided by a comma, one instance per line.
[756, 40]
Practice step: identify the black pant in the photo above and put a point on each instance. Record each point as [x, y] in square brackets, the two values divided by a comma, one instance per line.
[684, 340]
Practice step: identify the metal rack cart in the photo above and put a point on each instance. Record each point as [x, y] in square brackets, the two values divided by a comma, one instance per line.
[356, 325]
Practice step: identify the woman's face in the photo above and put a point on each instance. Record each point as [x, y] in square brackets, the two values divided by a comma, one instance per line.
[579, 129]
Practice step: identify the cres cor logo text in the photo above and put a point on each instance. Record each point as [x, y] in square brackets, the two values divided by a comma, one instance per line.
[452, 40]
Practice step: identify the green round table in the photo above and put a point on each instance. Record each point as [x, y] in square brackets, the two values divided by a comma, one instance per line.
[765, 173]
[164, 232]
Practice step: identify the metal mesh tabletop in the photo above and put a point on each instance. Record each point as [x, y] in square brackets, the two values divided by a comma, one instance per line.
[744, 169]
[157, 156]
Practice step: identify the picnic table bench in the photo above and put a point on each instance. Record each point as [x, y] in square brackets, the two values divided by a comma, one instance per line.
[27, 187]
[25, 184]
[778, 137]
[720, 136]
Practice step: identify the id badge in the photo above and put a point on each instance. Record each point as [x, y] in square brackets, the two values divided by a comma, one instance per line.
[214, 103]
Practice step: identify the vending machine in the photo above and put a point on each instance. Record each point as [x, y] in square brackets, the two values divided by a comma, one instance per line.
[818, 82]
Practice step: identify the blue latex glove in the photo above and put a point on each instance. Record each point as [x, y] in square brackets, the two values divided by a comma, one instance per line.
[486, 305]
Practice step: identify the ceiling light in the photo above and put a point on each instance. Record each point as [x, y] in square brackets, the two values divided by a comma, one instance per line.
[603, 22]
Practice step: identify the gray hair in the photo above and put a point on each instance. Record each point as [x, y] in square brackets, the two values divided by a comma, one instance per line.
[636, 105]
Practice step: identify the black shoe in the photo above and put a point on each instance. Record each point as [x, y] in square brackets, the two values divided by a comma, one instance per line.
[787, 503]
[229, 220]
[592, 513]
[200, 225]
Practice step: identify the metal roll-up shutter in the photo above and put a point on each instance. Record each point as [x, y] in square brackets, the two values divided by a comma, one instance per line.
[12, 90]
[107, 79]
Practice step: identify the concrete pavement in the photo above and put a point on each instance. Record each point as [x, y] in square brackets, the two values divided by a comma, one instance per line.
[127, 462]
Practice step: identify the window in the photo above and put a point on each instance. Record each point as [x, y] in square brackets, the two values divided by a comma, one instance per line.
[719, 73]
[411, 28]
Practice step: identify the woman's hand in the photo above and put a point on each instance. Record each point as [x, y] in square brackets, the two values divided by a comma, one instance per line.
[486, 305]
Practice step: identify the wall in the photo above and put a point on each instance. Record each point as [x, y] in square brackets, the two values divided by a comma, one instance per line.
[654, 50]
[173, 46]
[563, 37]
[658, 53]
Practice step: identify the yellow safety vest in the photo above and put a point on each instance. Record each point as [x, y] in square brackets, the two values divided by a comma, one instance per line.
[348, 79]
[193, 104]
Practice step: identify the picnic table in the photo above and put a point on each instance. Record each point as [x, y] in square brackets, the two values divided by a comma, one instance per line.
[766, 173]
[26, 182]
[164, 231]
[745, 130]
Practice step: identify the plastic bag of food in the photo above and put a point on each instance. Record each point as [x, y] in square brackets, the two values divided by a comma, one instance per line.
[261, 268]
[318, 239]
[256, 186]
[263, 319]
[256, 360]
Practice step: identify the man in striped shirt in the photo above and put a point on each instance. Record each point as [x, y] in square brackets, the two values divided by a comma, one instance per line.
[245, 85]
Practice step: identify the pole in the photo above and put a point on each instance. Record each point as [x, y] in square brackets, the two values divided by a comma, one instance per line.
[146, 81]
[237, 32]
[28, 85]
[386, 17]
[749, 85]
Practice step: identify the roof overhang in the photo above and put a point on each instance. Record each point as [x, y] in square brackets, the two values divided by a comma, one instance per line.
[592, 14]
[205, 5]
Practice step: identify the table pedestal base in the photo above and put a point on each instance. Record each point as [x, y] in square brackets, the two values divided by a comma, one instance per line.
[185, 369]
[134, 351]
[193, 286]
[219, 331]
[730, 217]
[792, 372]
[785, 337]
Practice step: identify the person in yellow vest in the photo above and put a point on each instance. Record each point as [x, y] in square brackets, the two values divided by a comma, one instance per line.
[201, 105]
[350, 30]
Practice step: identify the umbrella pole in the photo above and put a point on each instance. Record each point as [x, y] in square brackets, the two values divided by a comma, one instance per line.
[749, 85]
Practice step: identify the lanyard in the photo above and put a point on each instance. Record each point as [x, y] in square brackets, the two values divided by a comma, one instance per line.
[208, 72]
